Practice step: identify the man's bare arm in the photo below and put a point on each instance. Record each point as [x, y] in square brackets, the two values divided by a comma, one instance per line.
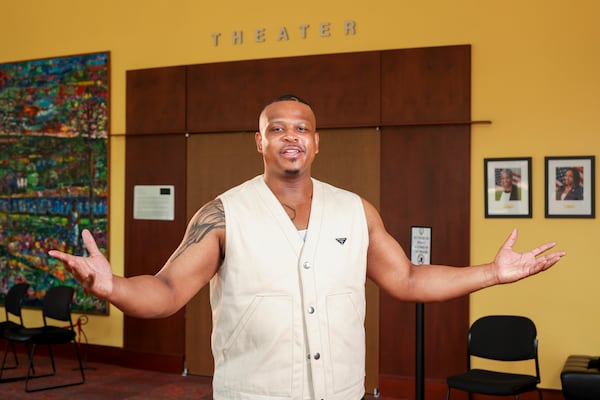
[390, 268]
[191, 266]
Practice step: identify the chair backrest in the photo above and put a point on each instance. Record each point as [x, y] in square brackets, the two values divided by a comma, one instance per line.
[14, 299]
[504, 338]
[57, 303]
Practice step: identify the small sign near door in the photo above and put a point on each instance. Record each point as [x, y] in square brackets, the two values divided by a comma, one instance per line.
[420, 245]
[154, 202]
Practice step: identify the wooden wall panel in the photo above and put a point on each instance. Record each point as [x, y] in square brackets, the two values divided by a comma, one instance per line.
[350, 159]
[216, 162]
[426, 85]
[424, 169]
[154, 160]
[439, 156]
[156, 101]
[343, 89]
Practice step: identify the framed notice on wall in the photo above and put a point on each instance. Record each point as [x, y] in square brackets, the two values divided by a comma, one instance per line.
[420, 245]
[154, 202]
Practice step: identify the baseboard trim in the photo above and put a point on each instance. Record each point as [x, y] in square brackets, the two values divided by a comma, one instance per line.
[173, 363]
[92, 353]
[401, 387]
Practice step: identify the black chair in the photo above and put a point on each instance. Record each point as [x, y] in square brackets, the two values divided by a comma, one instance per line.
[12, 308]
[56, 306]
[501, 338]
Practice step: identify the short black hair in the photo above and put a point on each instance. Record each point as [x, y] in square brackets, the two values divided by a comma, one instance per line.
[289, 97]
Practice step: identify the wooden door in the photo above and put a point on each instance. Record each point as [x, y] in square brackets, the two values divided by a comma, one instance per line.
[216, 162]
[349, 158]
[425, 182]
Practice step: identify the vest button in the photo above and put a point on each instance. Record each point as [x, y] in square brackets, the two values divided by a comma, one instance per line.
[306, 265]
[317, 356]
[311, 310]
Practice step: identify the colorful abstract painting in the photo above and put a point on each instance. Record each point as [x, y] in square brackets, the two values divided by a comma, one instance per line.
[54, 130]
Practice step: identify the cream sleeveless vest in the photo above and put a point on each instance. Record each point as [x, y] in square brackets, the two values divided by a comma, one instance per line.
[288, 314]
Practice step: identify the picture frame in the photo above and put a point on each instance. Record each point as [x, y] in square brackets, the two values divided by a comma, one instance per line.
[577, 201]
[54, 142]
[507, 187]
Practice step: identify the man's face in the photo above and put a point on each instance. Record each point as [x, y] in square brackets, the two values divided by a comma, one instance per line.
[506, 181]
[287, 138]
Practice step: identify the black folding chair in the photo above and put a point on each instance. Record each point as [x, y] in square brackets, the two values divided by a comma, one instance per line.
[12, 307]
[56, 306]
[502, 338]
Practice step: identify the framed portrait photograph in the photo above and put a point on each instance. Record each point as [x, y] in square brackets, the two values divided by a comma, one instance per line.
[507, 187]
[570, 187]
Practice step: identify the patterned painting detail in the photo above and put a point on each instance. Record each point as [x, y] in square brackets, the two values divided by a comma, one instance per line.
[53, 169]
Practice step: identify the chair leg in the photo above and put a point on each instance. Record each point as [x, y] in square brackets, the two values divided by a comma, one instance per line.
[4, 358]
[29, 390]
[31, 369]
[15, 378]
[30, 366]
[28, 349]
[14, 352]
[51, 359]
[9, 345]
[79, 361]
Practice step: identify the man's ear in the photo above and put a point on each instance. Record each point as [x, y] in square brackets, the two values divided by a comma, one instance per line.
[316, 142]
[258, 139]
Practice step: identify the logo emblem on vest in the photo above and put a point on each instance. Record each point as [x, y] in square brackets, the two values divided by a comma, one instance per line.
[340, 240]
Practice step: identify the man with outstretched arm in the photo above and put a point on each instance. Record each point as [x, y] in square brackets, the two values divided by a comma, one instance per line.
[286, 257]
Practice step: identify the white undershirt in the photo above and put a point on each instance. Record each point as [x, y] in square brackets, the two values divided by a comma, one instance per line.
[302, 233]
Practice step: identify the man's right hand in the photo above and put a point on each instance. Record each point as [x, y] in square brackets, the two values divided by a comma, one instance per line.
[93, 272]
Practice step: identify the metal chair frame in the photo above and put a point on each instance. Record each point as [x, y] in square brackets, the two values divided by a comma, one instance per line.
[56, 306]
[500, 338]
[12, 307]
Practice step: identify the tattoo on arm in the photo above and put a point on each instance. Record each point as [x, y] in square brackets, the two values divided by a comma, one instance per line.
[211, 216]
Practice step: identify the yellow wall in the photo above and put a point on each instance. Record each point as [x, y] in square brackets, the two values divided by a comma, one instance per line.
[535, 75]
